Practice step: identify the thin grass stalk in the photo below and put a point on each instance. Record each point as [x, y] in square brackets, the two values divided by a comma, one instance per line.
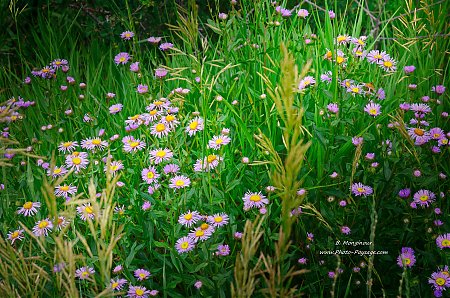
[244, 276]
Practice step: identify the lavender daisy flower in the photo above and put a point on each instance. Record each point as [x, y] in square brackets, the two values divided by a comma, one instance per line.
[178, 182]
[149, 175]
[138, 292]
[406, 258]
[373, 109]
[122, 58]
[141, 274]
[254, 200]
[166, 46]
[117, 284]
[404, 193]
[154, 40]
[345, 230]
[161, 73]
[134, 67]
[424, 197]
[84, 272]
[42, 227]
[409, 69]
[443, 241]
[306, 82]
[360, 189]
[189, 218]
[29, 208]
[171, 169]
[439, 281]
[439, 89]
[357, 141]
[302, 13]
[218, 141]
[127, 35]
[326, 77]
[15, 235]
[184, 245]
[331, 14]
[218, 220]
[146, 205]
[223, 250]
[142, 89]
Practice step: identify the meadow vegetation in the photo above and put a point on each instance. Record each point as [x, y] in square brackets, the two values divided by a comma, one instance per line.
[244, 149]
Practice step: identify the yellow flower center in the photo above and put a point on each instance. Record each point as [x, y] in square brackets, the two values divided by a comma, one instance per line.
[170, 118]
[373, 112]
[45, 70]
[28, 205]
[340, 59]
[57, 171]
[76, 160]
[142, 275]
[219, 141]
[211, 158]
[150, 175]
[135, 117]
[85, 274]
[179, 183]
[360, 42]
[355, 90]
[360, 189]
[60, 221]
[204, 226]
[387, 63]
[96, 142]
[58, 62]
[43, 224]
[255, 198]
[377, 56]
[445, 242]
[436, 135]
[161, 153]
[67, 144]
[188, 216]
[341, 38]
[193, 125]
[307, 82]
[445, 273]
[122, 59]
[64, 188]
[114, 168]
[440, 281]
[185, 245]
[75, 153]
[89, 210]
[115, 285]
[160, 127]
[218, 219]
[153, 112]
[424, 198]
[199, 233]
[419, 132]
[407, 261]
[328, 55]
[134, 144]
[158, 103]
[15, 235]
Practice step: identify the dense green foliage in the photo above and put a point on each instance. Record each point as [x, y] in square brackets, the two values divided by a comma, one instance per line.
[228, 70]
